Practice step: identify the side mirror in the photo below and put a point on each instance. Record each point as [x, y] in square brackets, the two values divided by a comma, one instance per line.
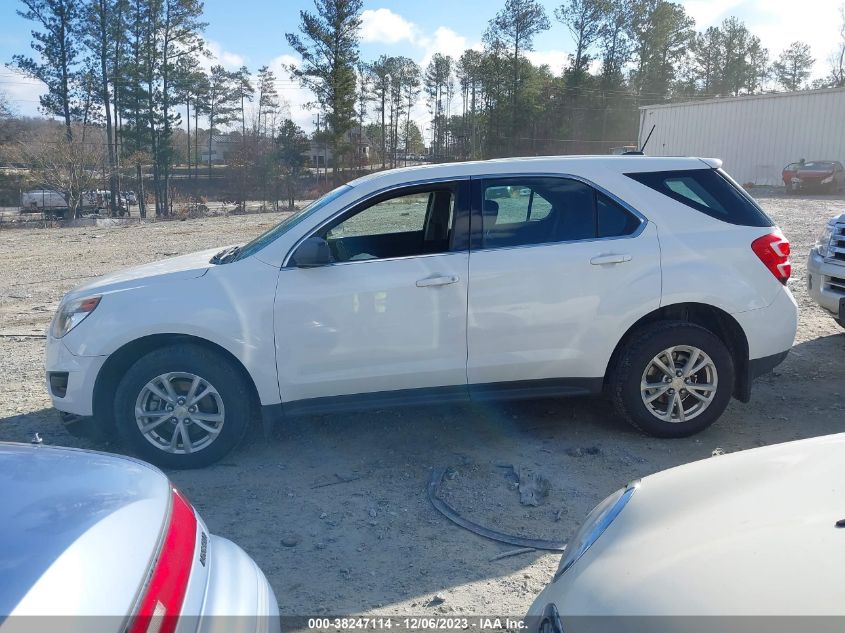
[312, 253]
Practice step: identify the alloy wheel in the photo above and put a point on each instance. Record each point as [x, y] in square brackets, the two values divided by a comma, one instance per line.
[179, 412]
[679, 383]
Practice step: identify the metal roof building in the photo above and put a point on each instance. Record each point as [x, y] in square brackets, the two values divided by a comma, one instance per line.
[755, 135]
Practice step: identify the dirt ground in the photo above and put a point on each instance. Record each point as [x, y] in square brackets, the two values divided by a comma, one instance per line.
[334, 509]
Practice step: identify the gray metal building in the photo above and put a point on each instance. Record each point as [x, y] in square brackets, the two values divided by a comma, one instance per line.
[755, 135]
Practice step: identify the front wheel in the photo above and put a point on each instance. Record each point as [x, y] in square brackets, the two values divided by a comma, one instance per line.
[672, 379]
[182, 406]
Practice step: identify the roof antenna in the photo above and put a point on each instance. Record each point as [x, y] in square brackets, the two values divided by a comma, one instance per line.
[640, 151]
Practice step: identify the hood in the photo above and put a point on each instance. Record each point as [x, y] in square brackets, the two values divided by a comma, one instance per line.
[174, 268]
[747, 533]
[73, 520]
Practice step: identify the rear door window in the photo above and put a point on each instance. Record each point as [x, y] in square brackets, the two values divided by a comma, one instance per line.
[543, 210]
[710, 191]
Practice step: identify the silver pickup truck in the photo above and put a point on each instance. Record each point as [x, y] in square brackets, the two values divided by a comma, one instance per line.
[826, 269]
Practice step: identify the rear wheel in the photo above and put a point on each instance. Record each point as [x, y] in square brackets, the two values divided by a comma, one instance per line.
[672, 379]
[182, 406]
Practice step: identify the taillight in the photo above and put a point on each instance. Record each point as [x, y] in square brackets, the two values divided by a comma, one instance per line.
[773, 251]
[161, 603]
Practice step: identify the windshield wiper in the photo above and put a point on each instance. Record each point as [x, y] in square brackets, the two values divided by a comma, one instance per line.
[226, 255]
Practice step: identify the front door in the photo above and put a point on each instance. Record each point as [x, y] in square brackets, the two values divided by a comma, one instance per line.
[389, 312]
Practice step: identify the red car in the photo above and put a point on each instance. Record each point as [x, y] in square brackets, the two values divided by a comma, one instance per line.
[820, 175]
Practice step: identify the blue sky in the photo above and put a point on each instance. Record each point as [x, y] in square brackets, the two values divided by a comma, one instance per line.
[251, 32]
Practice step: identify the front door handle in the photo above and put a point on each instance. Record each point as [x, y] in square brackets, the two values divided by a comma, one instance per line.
[612, 258]
[445, 280]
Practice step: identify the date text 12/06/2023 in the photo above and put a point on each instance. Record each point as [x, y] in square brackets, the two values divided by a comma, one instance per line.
[418, 623]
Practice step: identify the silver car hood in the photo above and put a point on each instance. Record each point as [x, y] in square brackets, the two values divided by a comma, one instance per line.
[79, 530]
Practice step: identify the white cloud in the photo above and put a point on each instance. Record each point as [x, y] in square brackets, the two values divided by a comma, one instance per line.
[709, 12]
[22, 92]
[555, 59]
[446, 42]
[386, 27]
[292, 94]
[227, 59]
[778, 25]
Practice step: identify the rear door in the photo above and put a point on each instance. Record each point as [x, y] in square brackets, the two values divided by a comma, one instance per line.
[558, 271]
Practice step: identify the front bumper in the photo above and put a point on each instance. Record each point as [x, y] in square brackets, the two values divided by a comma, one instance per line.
[809, 184]
[76, 375]
[826, 284]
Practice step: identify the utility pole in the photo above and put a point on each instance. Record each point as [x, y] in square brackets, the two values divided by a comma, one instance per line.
[317, 147]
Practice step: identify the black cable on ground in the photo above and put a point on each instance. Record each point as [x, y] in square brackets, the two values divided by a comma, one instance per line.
[450, 513]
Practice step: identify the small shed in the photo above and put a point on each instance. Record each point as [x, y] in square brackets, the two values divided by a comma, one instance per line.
[754, 135]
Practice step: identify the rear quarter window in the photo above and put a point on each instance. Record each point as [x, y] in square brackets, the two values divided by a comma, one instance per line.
[709, 191]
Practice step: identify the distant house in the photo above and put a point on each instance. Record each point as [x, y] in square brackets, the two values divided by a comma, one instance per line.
[221, 145]
[321, 155]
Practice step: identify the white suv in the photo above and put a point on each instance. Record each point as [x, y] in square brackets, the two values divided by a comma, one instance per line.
[655, 280]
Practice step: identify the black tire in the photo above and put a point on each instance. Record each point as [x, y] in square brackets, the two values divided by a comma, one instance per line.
[637, 354]
[212, 367]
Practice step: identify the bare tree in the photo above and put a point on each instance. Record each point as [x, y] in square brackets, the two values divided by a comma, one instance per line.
[69, 166]
[837, 58]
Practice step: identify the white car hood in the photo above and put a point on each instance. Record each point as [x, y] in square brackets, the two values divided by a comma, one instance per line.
[749, 533]
[174, 268]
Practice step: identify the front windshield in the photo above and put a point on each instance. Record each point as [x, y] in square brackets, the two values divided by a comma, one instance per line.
[817, 165]
[289, 222]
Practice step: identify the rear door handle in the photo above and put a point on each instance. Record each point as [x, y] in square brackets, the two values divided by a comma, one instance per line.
[445, 280]
[612, 258]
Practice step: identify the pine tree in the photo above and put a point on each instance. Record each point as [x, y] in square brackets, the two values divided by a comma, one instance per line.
[245, 92]
[515, 27]
[56, 43]
[327, 42]
[221, 103]
[292, 144]
[793, 66]
[584, 19]
[268, 101]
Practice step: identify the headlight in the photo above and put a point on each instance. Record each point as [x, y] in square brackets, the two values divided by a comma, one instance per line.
[594, 526]
[822, 246]
[828, 180]
[71, 314]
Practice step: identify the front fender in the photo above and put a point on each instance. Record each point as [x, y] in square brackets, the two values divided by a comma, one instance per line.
[230, 306]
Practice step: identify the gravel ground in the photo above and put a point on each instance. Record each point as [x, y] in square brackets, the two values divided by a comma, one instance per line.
[334, 509]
